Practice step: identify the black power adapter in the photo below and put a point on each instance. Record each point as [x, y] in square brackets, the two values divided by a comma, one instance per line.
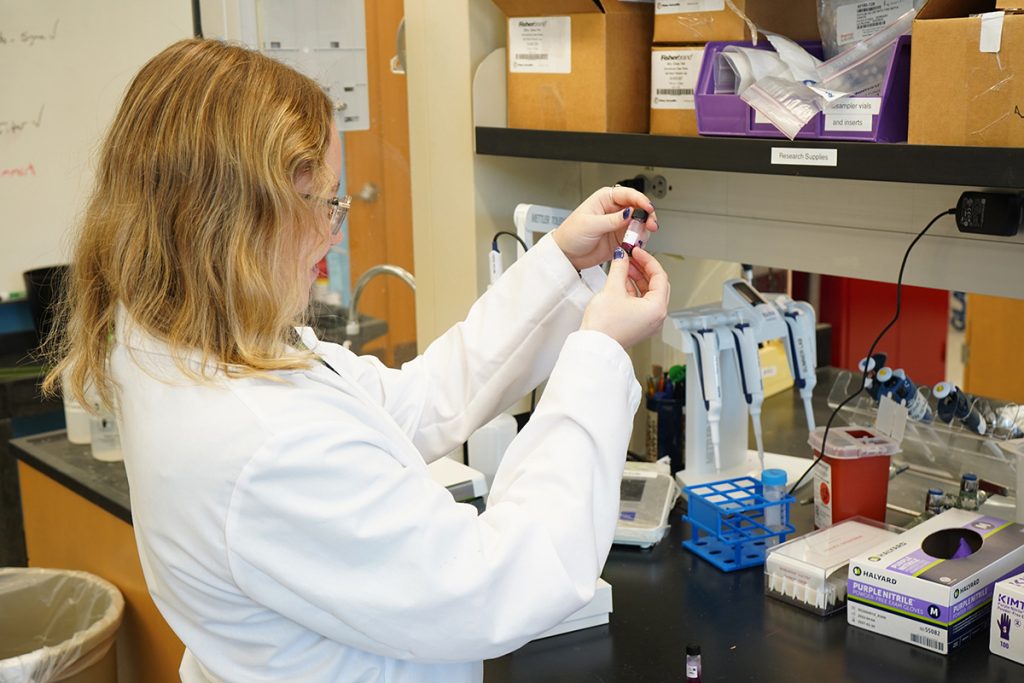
[990, 213]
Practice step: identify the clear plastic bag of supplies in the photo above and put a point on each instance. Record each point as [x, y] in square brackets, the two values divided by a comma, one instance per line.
[863, 65]
[844, 22]
[787, 104]
[55, 624]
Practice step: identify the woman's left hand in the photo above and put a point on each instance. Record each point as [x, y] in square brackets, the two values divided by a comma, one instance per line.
[591, 233]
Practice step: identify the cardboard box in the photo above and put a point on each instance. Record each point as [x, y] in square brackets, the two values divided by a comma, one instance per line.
[701, 21]
[1006, 637]
[578, 65]
[960, 95]
[674, 71]
[923, 589]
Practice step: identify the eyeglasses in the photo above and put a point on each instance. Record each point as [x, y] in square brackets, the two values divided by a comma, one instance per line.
[338, 210]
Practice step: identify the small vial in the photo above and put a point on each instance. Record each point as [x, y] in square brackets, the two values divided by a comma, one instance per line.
[693, 663]
[934, 502]
[774, 483]
[635, 231]
[969, 491]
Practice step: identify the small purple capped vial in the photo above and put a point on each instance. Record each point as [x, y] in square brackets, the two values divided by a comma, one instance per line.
[636, 233]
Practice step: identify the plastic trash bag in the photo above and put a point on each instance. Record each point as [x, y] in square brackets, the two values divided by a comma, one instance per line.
[54, 624]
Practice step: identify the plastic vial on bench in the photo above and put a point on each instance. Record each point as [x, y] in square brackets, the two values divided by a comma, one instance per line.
[693, 668]
[774, 482]
[934, 502]
[106, 439]
[969, 491]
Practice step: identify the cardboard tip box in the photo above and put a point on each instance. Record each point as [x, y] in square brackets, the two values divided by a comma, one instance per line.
[967, 76]
[676, 22]
[579, 65]
[674, 71]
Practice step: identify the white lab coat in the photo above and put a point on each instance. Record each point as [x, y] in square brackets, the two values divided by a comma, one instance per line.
[289, 530]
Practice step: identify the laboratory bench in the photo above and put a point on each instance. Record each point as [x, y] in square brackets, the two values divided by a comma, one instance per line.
[664, 598]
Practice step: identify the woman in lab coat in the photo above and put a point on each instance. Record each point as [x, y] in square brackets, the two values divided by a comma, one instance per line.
[287, 525]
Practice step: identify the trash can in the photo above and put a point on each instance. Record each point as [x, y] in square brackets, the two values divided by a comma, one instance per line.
[57, 625]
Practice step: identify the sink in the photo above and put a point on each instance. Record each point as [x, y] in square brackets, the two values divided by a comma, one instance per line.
[329, 320]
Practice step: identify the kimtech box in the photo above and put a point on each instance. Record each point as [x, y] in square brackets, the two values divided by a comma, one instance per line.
[1007, 629]
[579, 65]
[933, 585]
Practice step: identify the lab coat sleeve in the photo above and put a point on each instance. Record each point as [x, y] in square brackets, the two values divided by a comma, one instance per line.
[505, 347]
[326, 528]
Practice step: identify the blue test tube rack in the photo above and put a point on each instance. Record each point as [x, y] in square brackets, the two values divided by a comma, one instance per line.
[727, 522]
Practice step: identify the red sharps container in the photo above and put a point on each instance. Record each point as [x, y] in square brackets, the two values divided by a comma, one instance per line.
[853, 476]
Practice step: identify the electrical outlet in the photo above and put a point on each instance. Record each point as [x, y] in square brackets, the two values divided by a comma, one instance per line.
[658, 186]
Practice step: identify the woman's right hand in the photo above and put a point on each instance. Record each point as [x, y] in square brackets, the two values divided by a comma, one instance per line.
[634, 301]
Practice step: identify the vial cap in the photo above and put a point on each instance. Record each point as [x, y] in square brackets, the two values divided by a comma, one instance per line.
[773, 477]
[970, 476]
[693, 650]
[639, 215]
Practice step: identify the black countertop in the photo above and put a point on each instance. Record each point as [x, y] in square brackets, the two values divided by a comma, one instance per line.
[102, 483]
[664, 598]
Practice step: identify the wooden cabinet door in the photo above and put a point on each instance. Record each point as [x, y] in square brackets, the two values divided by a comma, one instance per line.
[994, 364]
[377, 171]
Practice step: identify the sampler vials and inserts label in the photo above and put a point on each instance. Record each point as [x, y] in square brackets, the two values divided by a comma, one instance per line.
[540, 45]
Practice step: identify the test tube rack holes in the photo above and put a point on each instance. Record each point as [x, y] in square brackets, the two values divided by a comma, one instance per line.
[727, 522]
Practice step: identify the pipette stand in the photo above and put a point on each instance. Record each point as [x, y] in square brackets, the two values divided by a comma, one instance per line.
[683, 330]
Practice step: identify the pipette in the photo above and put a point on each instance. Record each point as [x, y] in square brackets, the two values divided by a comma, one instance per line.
[801, 351]
[749, 363]
[710, 371]
[953, 403]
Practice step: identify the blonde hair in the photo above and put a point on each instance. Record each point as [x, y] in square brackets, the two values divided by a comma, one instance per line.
[195, 225]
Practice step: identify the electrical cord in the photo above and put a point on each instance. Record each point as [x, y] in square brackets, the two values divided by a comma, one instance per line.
[494, 247]
[494, 240]
[871, 351]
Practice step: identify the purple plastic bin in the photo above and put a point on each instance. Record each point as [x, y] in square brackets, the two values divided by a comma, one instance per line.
[730, 115]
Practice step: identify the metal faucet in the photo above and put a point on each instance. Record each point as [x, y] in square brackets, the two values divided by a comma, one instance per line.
[352, 326]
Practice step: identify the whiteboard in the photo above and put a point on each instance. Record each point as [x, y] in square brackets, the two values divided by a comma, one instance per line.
[64, 67]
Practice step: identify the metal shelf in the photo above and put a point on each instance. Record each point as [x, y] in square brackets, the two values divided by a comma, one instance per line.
[991, 167]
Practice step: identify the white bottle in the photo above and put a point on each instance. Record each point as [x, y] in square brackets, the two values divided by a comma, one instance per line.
[774, 483]
[76, 417]
[106, 438]
[487, 445]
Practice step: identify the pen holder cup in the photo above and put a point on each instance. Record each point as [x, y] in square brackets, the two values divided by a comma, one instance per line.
[665, 430]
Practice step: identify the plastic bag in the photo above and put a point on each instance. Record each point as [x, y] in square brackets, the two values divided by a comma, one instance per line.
[737, 68]
[789, 105]
[844, 22]
[863, 65]
[55, 623]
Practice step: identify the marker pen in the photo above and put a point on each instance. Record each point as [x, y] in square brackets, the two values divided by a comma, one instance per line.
[636, 234]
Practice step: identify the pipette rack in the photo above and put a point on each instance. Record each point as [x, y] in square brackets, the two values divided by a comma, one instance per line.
[727, 522]
[942, 451]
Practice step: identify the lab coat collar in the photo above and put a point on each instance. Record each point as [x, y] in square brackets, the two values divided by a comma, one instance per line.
[129, 334]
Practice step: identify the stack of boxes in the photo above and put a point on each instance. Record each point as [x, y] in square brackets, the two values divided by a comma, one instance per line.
[681, 30]
[584, 65]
